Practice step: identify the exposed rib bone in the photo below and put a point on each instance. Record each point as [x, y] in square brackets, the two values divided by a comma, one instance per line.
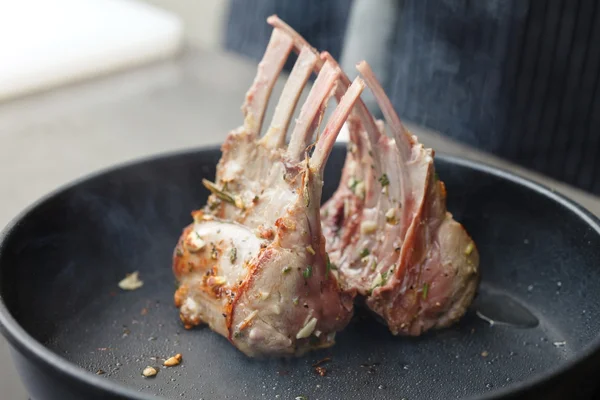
[403, 139]
[257, 98]
[360, 108]
[275, 136]
[339, 116]
[317, 97]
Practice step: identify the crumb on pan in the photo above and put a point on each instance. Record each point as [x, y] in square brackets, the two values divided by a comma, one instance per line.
[131, 282]
[149, 372]
[173, 361]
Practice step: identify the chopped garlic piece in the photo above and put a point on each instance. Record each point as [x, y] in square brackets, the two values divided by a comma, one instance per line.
[390, 216]
[149, 371]
[239, 203]
[346, 208]
[368, 227]
[194, 242]
[377, 281]
[469, 249]
[173, 361]
[217, 281]
[263, 295]
[310, 249]
[307, 330]
[360, 190]
[352, 182]
[131, 282]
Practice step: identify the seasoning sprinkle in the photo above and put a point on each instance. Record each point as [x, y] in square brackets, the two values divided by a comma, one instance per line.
[285, 270]
[220, 193]
[305, 190]
[233, 255]
[384, 180]
[307, 272]
[364, 253]
[425, 290]
[310, 249]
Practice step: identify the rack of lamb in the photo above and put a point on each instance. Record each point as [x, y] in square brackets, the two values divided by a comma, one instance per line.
[266, 266]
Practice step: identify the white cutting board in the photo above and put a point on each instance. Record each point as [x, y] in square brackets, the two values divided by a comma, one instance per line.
[47, 43]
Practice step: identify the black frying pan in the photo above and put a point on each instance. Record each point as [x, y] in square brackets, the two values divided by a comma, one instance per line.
[66, 318]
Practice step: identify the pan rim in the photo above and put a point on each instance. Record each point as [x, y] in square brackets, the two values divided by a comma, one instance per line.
[34, 350]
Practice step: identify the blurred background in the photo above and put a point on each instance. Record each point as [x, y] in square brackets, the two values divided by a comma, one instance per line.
[85, 84]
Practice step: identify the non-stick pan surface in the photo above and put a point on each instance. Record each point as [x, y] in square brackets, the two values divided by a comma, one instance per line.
[66, 318]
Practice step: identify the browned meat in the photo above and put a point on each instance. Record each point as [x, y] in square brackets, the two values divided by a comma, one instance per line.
[253, 264]
[387, 227]
[390, 232]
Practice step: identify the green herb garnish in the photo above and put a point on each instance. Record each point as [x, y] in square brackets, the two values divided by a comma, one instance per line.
[425, 290]
[285, 270]
[307, 272]
[364, 253]
[233, 255]
[352, 183]
[384, 180]
[220, 193]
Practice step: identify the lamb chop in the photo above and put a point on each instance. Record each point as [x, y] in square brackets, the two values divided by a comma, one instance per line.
[253, 264]
[387, 227]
